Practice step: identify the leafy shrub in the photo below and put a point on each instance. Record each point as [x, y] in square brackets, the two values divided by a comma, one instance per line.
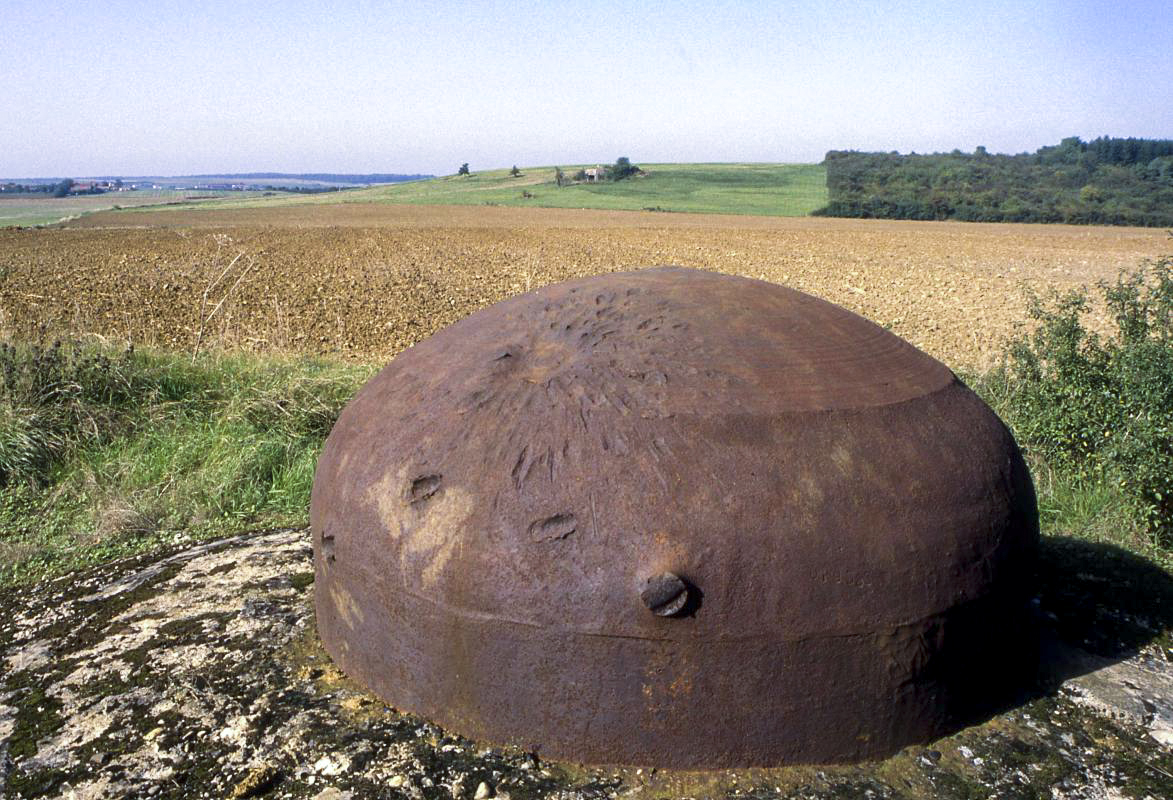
[1101, 407]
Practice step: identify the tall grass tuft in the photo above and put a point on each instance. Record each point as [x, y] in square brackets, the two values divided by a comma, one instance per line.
[106, 451]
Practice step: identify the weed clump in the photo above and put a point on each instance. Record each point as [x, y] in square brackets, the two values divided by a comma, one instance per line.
[1099, 409]
[55, 398]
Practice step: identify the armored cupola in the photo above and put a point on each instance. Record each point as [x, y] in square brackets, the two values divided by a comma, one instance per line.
[676, 518]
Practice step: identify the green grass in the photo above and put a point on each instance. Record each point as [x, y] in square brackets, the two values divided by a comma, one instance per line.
[1071, 502]
[105, 453]
[785, 190]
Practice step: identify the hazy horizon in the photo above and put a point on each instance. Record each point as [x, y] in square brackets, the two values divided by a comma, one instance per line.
[173, 89]
[250, 175]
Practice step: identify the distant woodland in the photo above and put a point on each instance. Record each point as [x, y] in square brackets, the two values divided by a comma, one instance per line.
[1105, 181]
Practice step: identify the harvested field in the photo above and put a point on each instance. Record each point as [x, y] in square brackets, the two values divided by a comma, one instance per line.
[364, 281]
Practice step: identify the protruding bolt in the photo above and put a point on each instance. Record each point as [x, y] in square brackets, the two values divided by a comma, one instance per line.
[664, 594]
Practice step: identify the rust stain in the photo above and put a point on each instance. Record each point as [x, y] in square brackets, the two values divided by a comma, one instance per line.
[346, 607]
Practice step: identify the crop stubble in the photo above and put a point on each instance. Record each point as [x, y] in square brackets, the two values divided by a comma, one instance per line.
[365, 281]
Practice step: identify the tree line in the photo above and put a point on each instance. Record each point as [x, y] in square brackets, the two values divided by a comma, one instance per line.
[621, 170]
[62, 188]
[1107, 181]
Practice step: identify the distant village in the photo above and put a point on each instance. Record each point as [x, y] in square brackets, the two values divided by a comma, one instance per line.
[69, 187]
[98, 187]
[261, 181]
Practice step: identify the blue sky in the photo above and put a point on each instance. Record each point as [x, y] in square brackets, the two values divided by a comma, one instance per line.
[190, 87]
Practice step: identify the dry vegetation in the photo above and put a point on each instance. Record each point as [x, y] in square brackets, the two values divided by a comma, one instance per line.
[364, 281]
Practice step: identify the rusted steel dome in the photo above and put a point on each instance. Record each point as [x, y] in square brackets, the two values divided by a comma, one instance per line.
[675, 518]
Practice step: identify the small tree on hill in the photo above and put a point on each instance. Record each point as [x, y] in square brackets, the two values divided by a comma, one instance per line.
[623, 168]
[515, 172]
[463, 169]
[559, 176]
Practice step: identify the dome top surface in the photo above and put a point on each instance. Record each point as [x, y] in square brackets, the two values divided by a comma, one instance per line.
[722, 342]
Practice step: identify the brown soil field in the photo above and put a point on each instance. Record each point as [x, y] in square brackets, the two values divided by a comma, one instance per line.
[364, 281]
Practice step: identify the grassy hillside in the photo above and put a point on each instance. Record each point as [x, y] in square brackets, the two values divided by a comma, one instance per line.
[783, 190]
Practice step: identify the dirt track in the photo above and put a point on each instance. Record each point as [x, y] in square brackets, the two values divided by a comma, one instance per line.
[364, 281]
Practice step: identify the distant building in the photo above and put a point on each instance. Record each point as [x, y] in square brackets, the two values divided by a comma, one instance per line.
[595, 174]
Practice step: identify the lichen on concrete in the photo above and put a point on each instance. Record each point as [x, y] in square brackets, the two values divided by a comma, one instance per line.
[198, 673]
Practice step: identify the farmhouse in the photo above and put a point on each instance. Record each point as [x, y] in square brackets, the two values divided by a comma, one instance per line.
[594, 174]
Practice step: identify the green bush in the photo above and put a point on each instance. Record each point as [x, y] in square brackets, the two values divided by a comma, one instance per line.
[1100, 408]
[622, 169]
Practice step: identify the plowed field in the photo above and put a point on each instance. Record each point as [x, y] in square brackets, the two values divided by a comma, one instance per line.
[364, 281]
